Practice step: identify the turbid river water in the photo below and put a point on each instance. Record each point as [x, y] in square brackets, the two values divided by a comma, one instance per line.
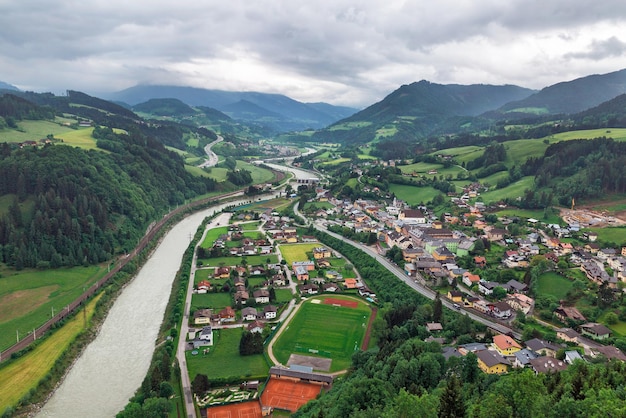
[113, 366]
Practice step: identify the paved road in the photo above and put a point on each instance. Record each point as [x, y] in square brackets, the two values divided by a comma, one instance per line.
[212, 160]
[415, 283]
[190, 409]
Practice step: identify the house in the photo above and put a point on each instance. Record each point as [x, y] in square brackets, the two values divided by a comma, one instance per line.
[610, 352]
[547, 365]
[248, 314]
[595, 330]
[270, 311]
[455, 296]
[412, 216]
[205, 337]
[434, 326]
[222, 272]
[255, 326]
[496, 234]
[523, 357]
[321, 252]
[470, 279]
[501, 310]
[505, 345]
[261, 296]
[471, 348]
[301, 273]
[567, 334]
[350, 283]
[450, 352]
[330, 287]
[203, 286]
[572, 355]
[568, 312]
[308, 289]
[515, 286]
[202, 316]
[257, 271]
[242, 296]
[520, 302]
[541, 347]
[492, 362]
[308, 265]
[410, 269]
[480, 261]
[486, 288]
[227, 315]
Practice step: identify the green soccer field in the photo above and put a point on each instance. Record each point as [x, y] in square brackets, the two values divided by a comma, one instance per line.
[335, 331]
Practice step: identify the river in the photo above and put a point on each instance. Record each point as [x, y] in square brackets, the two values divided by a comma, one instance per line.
[112, 367]
[114, 364]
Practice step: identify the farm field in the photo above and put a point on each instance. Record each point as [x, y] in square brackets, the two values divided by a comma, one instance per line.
[20, 376]
[336, 330]
[553, 284]
[619, 134]
[297, 252]
[529, 213]
[413, 195]
[223, 359]
[28, 297]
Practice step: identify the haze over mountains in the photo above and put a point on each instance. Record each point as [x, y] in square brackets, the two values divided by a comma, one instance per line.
[418, 109]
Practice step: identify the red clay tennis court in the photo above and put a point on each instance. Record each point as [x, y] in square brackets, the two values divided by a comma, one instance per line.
[250, 409]
[288, 394]
[340, 302]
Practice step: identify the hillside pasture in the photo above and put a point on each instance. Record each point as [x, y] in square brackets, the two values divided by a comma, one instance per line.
[413, 195]
[614, 234]
[79, 138]
[28, 297]
[619, 134]
[324, 330]
[34, 130]
[296, 252]
[511, 191]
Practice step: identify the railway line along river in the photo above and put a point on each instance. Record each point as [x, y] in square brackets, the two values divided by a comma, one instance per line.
[115, 363]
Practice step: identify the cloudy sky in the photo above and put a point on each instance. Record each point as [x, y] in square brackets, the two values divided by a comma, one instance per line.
[341, 52]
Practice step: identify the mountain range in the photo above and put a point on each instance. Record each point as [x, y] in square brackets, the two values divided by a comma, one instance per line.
[274, 110]
[416, 110]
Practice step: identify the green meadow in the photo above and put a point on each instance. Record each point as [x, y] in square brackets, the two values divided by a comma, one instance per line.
[29, 297]
[413, 195]
[553, 284]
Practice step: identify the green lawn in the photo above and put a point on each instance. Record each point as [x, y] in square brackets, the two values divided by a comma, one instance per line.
[211, 300]
[283, 295]
[28, 297]
[296, 252]
[553, 284]
[223, 360]
[212, 234]
[413, 195]
[234, 261]
[338, 331]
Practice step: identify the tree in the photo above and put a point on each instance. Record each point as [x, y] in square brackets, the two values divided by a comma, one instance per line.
[200, 384]
[250, 343]
[156, 408]
[451, 401]
[437, 309]
[498, 293]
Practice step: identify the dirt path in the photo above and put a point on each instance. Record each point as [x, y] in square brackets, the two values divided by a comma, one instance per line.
[368, 332]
